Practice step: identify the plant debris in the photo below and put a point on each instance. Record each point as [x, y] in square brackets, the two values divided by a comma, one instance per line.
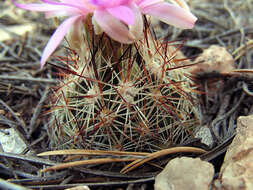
[24, 89]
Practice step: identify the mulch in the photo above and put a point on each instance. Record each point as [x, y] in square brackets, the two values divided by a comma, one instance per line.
[25, 87]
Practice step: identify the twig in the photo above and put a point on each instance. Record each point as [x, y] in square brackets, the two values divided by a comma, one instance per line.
[10, 186]
[27, 158]
[21, 122]
[115, 174]
[8, 163]
[246, 89]
[240, 51]
[26, 65]
[214, 20]
[94, 184]
[220, 118]
[42, 137]
[31, 79]
[231, 13]
[67, 180]
[6, 87]
[217, 150]
[11, 52]
[38, 179]
[16, 172]
[201, 42]
[35, 50]
[36, 113]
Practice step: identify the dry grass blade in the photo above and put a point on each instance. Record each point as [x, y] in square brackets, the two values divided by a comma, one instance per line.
[158, 154]
[91, 152]
[249, 71]
[86, 162]
[243, 49]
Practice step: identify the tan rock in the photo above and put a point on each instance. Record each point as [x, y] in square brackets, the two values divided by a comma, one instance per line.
[79, 188]
[214, 59]
[185, 173]
[237, 169]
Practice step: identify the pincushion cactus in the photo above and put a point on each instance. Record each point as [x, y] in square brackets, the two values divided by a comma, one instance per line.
[115, 96]
[138, 102]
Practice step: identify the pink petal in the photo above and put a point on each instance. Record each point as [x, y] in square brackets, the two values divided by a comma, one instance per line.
[57, 37]
[79, 4]
[123, 2]
[182, 4]
[112, 27]
[109, 3]
[38, 6]
[171, 14]
[55, 8]
[144, 3]
[122, 13]
[136, 30]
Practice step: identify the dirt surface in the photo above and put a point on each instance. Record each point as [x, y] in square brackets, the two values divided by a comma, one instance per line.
[25, 90]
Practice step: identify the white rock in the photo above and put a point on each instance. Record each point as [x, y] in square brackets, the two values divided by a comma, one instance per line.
[11, 142]
[185, 173]
[205, 135]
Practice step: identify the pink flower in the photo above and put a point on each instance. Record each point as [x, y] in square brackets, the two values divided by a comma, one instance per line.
[178, 15]
[119, 19]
